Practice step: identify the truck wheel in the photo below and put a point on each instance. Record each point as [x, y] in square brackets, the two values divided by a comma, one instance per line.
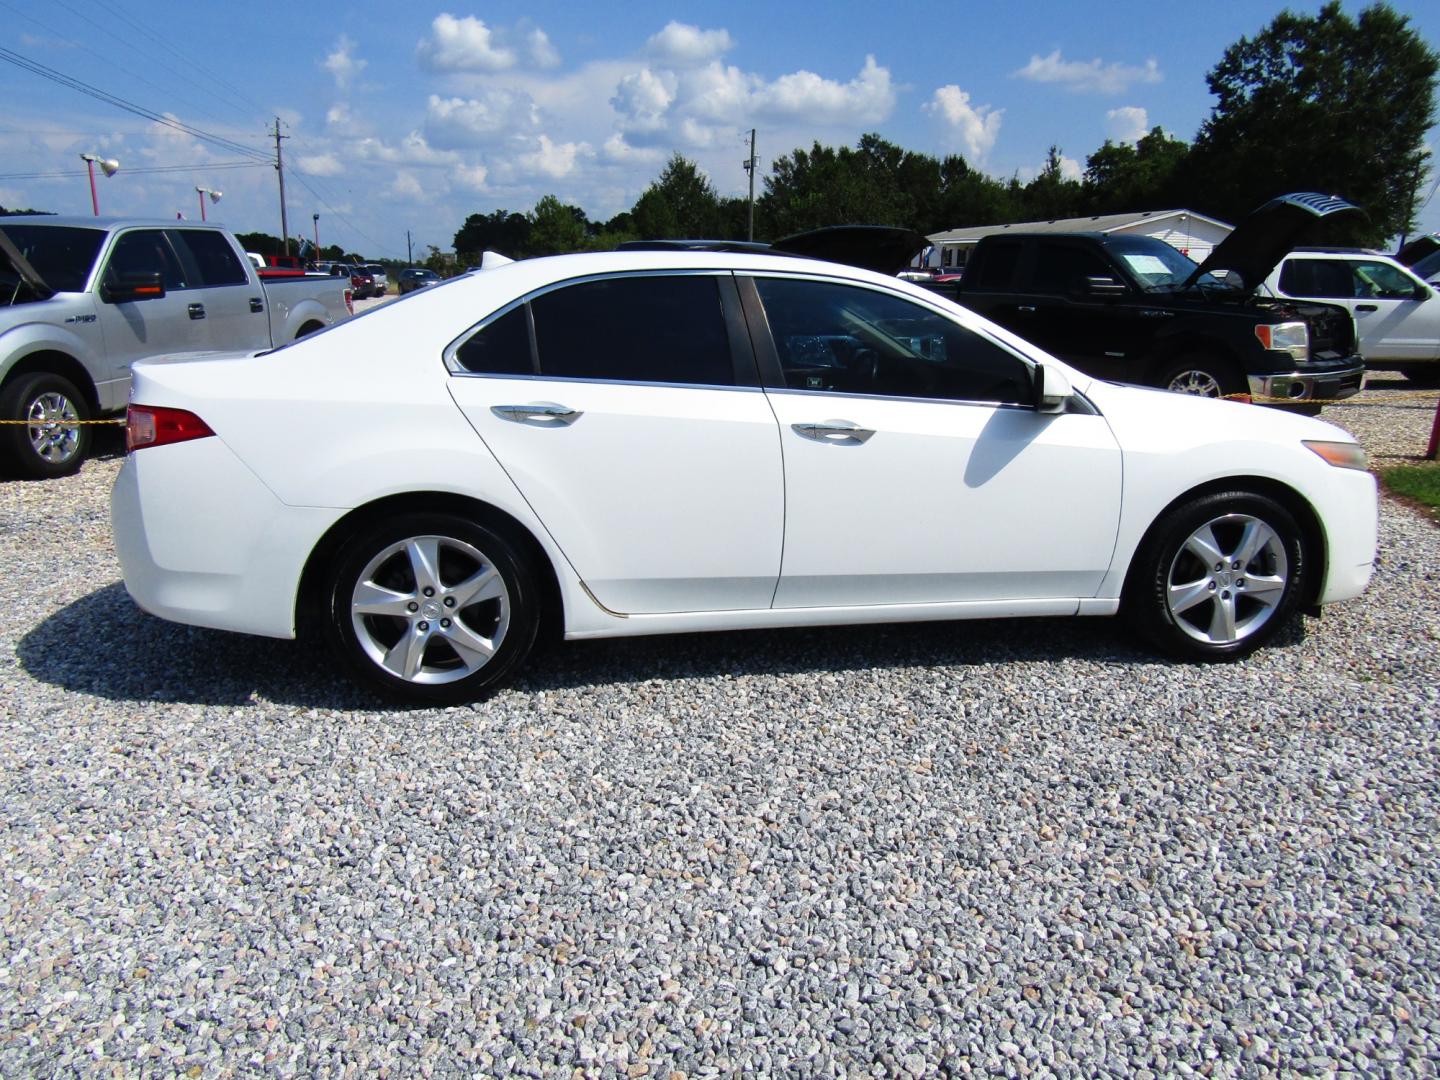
[54, 440]
[1201, 374]
[1217, 577]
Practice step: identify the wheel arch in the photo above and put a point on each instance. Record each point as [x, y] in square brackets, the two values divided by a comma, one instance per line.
[55, 362]
[1313, 533]
[310, 596]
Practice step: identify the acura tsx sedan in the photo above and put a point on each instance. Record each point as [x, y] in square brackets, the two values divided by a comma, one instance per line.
[646, 442]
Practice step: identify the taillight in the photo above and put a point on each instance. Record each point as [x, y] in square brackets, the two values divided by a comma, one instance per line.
[350, 301]
[151, 425]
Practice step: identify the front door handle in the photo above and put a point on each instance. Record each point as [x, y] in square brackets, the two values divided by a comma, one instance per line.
[197, 311]
[256, 304]
[833, 431]
[1027, 308]
[1367, 307]
[540, 410]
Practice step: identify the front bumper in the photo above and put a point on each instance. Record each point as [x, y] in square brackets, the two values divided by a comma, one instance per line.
[1303, 386]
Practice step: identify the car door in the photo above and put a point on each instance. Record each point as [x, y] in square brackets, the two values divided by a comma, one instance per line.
[627, 411]
[916, 470]
[228, 298]
[136, 329]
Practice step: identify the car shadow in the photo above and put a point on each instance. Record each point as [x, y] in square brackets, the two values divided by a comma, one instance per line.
[140, 658]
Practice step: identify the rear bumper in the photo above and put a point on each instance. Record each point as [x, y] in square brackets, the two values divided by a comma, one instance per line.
[1309, 385]
[202, 541]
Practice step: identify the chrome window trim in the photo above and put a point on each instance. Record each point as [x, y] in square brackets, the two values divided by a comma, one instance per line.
[448, 355]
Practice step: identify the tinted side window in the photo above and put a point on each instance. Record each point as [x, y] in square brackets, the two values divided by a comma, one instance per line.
[502, 348]
[1328, 278]
[1062, 269]
[660, 328]
[145, 251]
[1381, 280]
[996, 269]
[214, 258]
[839, 338]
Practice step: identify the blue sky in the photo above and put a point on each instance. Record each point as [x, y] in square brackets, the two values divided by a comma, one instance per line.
[411, 116]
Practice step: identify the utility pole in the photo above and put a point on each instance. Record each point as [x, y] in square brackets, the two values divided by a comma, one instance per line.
[750, 164]
[280, 169]
[409, 252]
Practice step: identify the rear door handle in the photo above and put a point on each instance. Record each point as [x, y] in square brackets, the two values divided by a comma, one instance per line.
[833, 431]
[1367, 307]
[540, 410]
[197, 311]
[1025, 307]
[256, 304]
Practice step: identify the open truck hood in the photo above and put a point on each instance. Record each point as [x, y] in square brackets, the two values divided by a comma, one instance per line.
[10, 254]
[1270, 233]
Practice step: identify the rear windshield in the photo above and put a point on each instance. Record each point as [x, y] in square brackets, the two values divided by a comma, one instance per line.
[62, 255]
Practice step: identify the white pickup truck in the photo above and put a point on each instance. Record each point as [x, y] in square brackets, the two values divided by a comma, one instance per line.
[81, 299]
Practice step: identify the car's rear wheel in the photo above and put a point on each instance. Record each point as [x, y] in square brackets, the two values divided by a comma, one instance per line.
[432, 608]
[1217, 578]
[1201, 374]
[51, 437]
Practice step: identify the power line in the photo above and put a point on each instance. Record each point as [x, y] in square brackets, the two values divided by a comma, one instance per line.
[202, 167]
[26, 64]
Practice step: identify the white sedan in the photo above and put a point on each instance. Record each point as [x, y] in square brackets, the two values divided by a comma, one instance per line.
[654, 442]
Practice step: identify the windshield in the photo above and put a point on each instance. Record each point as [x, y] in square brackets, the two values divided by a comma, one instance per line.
[62, 255]
[1156, 265]
[1427, 267]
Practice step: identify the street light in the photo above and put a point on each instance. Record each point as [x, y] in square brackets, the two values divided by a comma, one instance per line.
[202, 192]
[109, 166]
[316, 219]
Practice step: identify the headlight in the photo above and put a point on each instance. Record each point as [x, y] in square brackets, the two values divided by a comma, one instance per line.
[1343, 455]
[1291, 337]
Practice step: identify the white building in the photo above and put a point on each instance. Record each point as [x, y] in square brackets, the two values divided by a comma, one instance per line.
[1192, 234]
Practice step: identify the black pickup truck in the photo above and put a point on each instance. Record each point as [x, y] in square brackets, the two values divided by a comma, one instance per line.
[1134, 309]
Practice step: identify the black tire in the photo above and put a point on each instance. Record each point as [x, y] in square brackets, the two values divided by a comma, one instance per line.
[1202, 374]
[50, 447]
[1176, 603]
[442, 664]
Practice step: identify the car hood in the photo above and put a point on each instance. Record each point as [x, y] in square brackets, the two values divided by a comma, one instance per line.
[870, 247]
[1418, 248]
[1270, 233]
[10, 254]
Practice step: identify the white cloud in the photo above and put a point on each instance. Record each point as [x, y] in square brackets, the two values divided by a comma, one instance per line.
[342, 63]
[641, 100]
[414, 149]
[1070, 168]
[406, 186]
[465, 44]
[803, 95]
[542, 53]
[683, 45]
[1127, 124]
[1093, 77]
[975, 126]
[462, 122]
[617, 151]
[553, 159]
[470, 176]
[321, 165]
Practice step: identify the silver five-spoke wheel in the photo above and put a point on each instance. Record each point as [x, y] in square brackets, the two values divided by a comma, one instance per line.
[430, 610]
[1227, 578]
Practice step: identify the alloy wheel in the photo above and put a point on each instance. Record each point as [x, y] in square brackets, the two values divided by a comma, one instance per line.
[1227, 579]
[53, 427]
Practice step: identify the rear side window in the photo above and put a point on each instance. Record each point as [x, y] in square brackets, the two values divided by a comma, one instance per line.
[214, 258]
[655, 328]
[502, 348]
[997, 269]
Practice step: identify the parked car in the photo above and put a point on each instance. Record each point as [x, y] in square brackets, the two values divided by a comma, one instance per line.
[361, 283]
[1134, 308]
[1397, 315]
[379, 278]
[627, 443]
[85, 298]
[416, 278]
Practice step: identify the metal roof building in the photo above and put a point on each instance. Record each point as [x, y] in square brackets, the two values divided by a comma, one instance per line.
[1191, 233]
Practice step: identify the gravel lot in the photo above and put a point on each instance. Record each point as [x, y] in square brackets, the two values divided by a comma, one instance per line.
[1020, 849]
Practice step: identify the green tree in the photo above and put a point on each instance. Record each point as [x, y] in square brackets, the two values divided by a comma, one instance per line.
[1146, 176]
[1320, 103]
[556, 228]
[680, 204]
[504, 231]
[825, 186]
[1050, 195]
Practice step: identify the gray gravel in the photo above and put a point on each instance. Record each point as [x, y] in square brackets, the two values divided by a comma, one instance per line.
[1011, 849]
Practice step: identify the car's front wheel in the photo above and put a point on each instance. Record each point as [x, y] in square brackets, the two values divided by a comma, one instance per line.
[432, 608]
[46, 434]
[1202, 375]
[1218, 577]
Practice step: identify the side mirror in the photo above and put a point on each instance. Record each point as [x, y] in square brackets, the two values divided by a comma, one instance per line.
[134, 285]
[1422, 292]
[1052, 389]
[1103, 285]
